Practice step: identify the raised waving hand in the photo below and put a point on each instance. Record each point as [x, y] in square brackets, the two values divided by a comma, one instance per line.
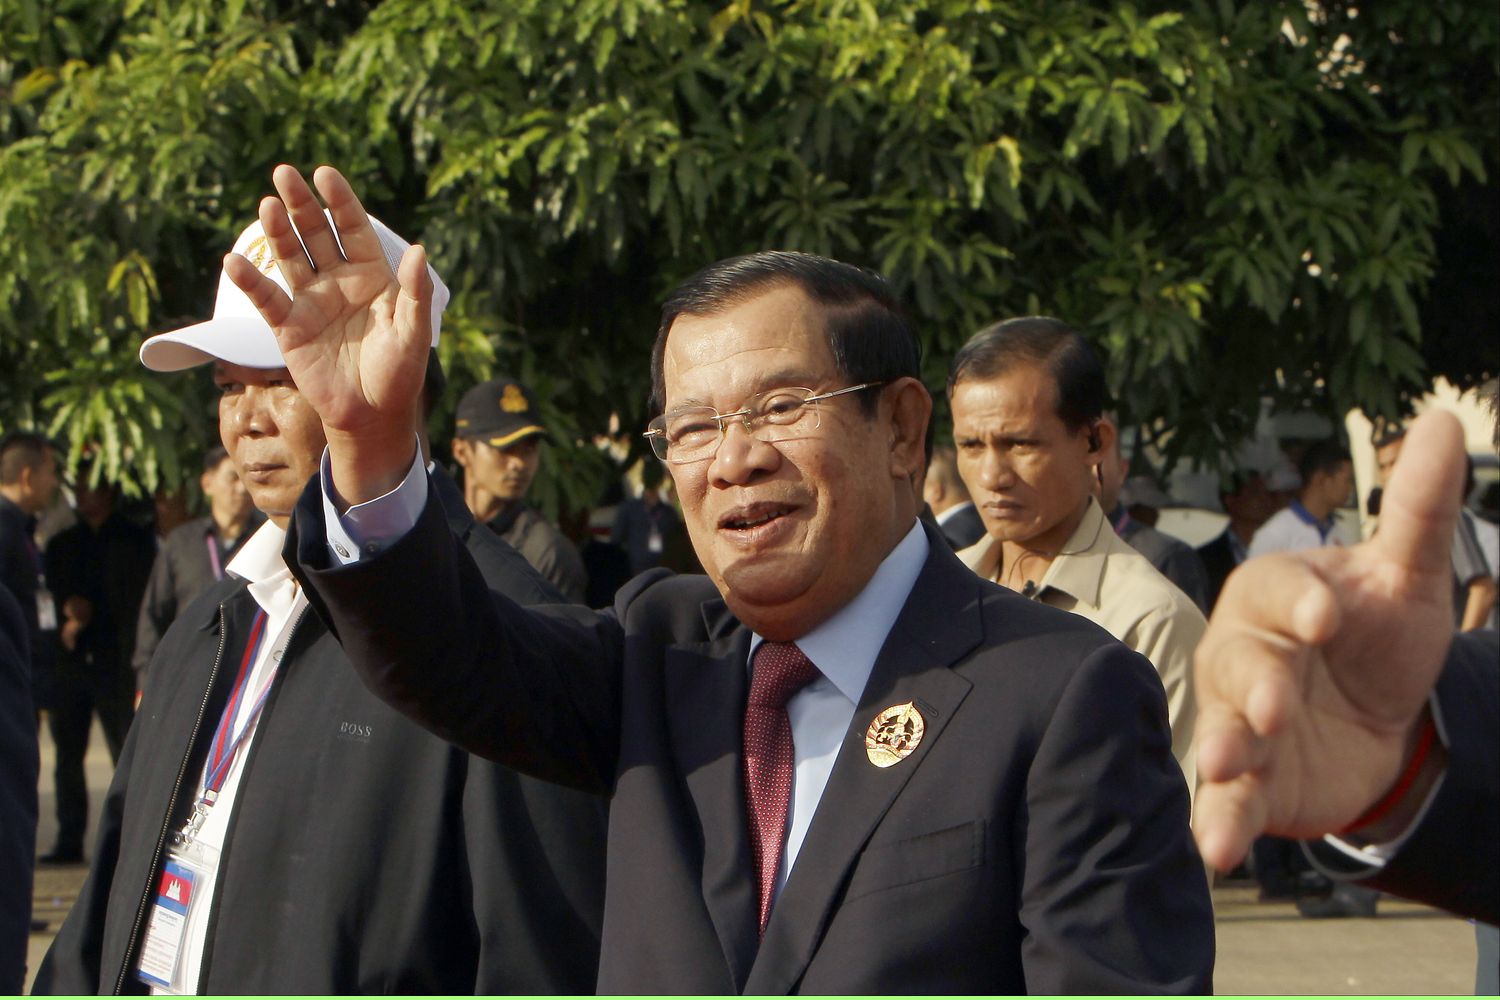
[354, 336]
[1312, 680]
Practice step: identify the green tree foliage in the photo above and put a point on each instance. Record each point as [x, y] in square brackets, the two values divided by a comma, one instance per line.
[1232, 199]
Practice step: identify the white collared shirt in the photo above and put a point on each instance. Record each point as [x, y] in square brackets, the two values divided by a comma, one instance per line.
[276, 592]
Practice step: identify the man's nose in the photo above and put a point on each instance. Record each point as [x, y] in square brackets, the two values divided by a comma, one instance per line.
[995, 469]
[251, 414]
[740, 456]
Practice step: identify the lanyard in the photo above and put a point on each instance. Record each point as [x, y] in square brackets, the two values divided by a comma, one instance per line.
[213, 554]
[224, 747]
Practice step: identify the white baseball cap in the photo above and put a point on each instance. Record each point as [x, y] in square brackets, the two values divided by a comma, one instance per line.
[237, 333]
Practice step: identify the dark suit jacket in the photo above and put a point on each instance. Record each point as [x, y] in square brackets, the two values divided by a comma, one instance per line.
[1218, 562]
[1037, 839]
[964, 528]
[1449, 861]
[18, 773]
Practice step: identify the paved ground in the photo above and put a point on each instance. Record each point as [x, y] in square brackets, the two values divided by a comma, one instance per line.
[1263, 947]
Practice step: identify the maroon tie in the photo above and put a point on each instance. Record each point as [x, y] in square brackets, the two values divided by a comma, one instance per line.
[780, 671]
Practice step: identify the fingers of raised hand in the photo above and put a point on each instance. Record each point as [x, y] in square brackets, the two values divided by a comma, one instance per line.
[291, 259]
[414, 303]
[267, 296]
[1421, 502]
[306, 215]
[1227, 817]
[355, 233]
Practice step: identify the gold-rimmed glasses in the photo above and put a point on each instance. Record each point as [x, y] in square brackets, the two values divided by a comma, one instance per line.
[693, 433]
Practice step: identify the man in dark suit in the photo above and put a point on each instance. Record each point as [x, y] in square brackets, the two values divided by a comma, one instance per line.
[948, 498]
[841, 762]
[18, 773]
[1249, 503]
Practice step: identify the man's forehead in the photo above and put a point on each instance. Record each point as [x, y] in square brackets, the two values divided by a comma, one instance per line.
[1024, 392]
[242, 372]
[758, 343]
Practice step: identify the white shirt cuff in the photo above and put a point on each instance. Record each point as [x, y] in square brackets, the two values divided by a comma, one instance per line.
[367, 528]
[1376, 855]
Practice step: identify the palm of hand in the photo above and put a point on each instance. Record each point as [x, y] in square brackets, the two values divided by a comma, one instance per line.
[345, 347]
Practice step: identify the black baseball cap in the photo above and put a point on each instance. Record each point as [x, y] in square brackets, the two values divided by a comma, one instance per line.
[498, 412]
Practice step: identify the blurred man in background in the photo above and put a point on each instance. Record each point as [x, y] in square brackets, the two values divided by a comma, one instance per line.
[948, 499]
[1249, 503]
[193, 555]
[498, 439]
[1172, 557]
[97, 571]
[1327, 477]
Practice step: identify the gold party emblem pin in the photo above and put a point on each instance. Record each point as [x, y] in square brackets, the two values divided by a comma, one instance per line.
[894, 734]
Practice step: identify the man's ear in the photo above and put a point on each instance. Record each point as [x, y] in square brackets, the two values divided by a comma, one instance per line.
[1104, 437]
[911, 409]
[461, 452]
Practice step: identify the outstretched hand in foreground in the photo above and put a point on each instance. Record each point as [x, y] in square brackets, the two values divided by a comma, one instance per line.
[354, 336]
[1313, 678]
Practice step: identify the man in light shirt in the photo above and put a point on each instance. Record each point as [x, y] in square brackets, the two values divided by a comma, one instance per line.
[1028, 405]
[1309, 521]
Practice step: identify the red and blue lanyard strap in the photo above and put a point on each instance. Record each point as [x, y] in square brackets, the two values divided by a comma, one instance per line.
[226, 744]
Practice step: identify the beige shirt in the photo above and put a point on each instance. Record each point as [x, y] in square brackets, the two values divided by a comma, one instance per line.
[1099, 576]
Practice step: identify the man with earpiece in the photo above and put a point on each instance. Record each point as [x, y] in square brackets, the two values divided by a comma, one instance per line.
[1028, 397]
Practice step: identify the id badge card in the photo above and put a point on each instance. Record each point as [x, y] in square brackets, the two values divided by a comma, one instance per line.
[46, 611]
[162, 965]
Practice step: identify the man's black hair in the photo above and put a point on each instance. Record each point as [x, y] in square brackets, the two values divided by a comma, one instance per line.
[1233, 482]
[213, 457]
[868, 332]
[1042, 342]
[1321, 456]
[22, 450]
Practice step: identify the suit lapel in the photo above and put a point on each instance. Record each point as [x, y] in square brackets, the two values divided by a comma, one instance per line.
[937, 626]
[705, 689]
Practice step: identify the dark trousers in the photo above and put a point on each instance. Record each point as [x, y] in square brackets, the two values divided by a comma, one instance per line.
[80, 690]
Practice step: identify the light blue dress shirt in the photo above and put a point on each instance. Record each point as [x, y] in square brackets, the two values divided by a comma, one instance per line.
[843, 648]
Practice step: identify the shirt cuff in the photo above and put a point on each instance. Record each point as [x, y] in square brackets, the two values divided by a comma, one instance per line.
[367, 528]
[1375, 856]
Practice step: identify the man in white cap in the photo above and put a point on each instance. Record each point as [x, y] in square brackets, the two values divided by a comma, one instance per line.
[274, 828]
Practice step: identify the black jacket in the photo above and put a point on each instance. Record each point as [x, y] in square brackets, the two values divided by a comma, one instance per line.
[21, 569]
[18, 804]
[364, 856]
[109, 568]
[1035, 840]
[1218, 562]
[1449, 860]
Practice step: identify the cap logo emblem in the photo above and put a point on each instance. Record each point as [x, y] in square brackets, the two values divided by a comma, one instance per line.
[513, 400]
[259, 254]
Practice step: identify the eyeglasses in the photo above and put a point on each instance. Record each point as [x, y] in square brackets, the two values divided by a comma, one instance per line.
[692, 433]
